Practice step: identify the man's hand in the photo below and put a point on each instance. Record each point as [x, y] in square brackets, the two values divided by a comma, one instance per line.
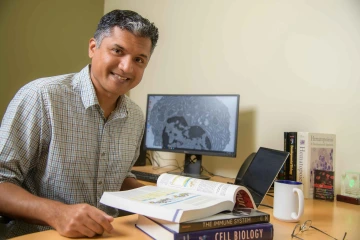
[81, 220]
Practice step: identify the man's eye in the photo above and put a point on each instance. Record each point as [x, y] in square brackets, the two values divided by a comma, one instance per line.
[118, 51]
[140, 60]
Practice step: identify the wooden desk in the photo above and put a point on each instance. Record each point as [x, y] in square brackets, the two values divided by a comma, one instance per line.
[335, 218]
[332, 217]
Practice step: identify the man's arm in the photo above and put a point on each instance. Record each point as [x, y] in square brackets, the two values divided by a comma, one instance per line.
[77, 220]
[23, 123]
[130, 183]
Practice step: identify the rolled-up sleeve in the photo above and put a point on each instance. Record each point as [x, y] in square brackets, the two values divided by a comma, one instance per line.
[20, 135]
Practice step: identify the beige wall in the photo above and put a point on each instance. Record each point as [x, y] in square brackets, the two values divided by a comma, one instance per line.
[42, 38]
[294, 63]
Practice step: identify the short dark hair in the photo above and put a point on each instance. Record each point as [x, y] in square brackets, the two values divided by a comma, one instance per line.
[128, 20]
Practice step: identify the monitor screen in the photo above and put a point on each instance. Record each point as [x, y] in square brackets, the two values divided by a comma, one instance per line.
[192, 124]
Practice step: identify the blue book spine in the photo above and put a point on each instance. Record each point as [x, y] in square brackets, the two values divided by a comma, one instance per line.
[260, 231]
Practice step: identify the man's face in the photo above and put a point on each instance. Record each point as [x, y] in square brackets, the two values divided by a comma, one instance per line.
[119, 63]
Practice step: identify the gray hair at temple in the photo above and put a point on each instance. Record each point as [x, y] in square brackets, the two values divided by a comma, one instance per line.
[126, 20]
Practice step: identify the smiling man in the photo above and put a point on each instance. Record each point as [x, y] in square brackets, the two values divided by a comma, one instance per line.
[65, 140]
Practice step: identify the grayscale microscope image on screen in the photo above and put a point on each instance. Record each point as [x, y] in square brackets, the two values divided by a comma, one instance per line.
[192, 124]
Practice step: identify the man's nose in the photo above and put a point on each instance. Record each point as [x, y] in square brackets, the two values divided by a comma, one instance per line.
[126, 64]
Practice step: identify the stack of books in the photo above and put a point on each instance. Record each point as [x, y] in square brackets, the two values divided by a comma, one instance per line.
[188, 208]
[242, 223]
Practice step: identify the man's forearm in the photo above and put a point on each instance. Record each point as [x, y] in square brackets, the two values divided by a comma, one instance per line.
[130, 183]
[17, 203]
[77, 220]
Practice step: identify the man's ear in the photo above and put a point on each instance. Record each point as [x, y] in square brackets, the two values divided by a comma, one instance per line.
[92, 46]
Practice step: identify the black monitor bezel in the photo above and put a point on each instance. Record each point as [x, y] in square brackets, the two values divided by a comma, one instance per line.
[192, 151]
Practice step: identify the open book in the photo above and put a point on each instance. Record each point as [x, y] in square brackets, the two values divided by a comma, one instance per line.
[179, 198]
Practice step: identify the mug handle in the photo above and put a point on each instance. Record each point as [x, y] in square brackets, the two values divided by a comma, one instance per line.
[301, 204]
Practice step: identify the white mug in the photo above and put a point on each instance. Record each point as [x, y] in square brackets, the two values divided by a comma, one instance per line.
[288, 200]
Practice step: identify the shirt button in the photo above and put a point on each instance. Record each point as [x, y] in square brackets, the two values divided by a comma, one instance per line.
[100, 182]
[103, 154]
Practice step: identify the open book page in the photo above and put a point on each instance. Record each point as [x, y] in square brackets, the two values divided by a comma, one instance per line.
[239, 195]
[172, 204]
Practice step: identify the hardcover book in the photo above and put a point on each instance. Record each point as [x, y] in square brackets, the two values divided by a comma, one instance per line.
[324, 185]
[239, 216]
[259, 231]
[283, 174]
[180, 199]
[315, 151]
[289, 170]
[292, 150]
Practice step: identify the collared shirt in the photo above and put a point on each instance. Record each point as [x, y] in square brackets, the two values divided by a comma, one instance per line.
[56, 143]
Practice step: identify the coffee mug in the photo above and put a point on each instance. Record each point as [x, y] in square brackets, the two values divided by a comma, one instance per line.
[288, 200]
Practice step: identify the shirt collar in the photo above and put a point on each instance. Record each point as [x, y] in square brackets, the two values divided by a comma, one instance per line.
[121, 107]
[88, 94]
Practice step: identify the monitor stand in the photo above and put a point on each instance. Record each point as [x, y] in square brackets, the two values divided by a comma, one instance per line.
[192, 167]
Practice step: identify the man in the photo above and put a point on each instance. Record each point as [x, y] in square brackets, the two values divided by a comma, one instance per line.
[65, 140]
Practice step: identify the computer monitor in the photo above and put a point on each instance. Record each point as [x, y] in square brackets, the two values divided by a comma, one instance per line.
[193, 124]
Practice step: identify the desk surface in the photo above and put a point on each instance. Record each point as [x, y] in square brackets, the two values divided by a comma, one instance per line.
[335, 218]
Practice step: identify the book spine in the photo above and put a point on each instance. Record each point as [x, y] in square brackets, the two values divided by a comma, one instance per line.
[292, 149]
[261, 231]
[282, 175]
[302, 155]
[196, 226]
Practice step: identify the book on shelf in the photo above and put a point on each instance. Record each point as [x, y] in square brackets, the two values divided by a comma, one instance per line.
[239, 216]
[179, 199]
[315, 151]
[259, 231]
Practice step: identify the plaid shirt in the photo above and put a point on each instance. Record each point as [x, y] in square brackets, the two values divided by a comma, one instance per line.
[56, 143]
